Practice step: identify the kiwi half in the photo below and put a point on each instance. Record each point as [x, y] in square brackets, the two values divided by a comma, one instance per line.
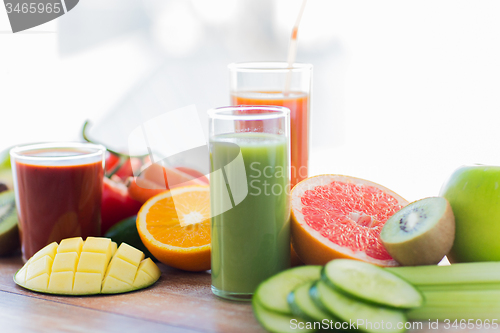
[9, 233]
[421, 233]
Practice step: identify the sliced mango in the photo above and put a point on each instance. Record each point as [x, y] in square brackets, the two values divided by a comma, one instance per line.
[114, 247]
[20, 277]
[98, 245]
[122, 270]
[38, 283]
[50, 250]
[149, 267]
[38, 267]
[87, 283]
[61, 282]
[65, 262]
[93, 266]
[141, 279]
[111, 284]
[74, 244]
[92, 263]
[130, 254]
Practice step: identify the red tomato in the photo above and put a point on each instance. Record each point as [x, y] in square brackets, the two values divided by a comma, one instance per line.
[152, 181]
[111, 161]
[142, 189]
[116, 204]
[193, 173]
[127, 168]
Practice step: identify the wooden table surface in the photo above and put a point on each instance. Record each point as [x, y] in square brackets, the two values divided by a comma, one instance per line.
[178, 302]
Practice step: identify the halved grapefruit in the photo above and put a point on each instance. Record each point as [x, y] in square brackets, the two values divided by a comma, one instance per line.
[335, 216]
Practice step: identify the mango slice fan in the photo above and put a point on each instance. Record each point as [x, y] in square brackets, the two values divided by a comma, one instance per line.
[93, 266]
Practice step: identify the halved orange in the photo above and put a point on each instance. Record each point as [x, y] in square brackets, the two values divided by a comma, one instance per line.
[175, 227]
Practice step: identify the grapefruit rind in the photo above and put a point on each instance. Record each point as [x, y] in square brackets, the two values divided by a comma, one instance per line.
[311, 247]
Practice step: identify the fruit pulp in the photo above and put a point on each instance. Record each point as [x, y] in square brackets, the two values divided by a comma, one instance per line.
[251, 240]
[175, 227]
[350, 215]
[335, 216]
[57, 202]
[299, 105]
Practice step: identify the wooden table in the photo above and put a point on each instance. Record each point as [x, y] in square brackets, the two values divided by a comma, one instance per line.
[178, 302]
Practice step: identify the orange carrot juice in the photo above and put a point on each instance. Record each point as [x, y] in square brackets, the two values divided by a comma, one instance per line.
[298, 103]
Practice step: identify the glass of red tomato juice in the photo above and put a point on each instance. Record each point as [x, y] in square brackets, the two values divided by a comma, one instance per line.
[275, 83]
[58, 188]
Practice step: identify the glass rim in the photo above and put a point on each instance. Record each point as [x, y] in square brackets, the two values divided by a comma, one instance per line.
[276, 112]
[268, 66]
[17, 152]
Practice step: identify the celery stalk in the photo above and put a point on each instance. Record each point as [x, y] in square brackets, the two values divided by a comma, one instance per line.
[440, 313]
[478, 273]
[455, 292]
[483, 304]
[458, 287]
[459, 299]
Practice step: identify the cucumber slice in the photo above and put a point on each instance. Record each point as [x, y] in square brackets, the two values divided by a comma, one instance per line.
[280, 323]
[303, 306]
[371, 283]
[272, 293]
[363, 316]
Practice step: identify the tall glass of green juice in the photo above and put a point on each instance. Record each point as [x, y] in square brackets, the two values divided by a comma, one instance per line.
[249, 189]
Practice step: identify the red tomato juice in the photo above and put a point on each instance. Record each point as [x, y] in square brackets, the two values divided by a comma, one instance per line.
[298, 103]
[57, 202]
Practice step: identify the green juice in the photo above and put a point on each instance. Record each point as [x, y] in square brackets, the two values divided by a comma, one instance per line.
[249, 202]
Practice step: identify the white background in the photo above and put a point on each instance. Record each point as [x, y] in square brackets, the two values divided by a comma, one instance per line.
[404, 92]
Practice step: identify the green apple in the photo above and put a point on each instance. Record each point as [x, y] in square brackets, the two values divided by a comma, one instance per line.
[474, 195]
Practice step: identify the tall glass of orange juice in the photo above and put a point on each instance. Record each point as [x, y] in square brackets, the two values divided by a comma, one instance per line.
[274, 83]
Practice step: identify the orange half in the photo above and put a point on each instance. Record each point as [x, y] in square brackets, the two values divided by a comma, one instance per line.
[175, 227]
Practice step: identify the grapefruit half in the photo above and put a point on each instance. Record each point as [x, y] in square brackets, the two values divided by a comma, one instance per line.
[335, 216]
